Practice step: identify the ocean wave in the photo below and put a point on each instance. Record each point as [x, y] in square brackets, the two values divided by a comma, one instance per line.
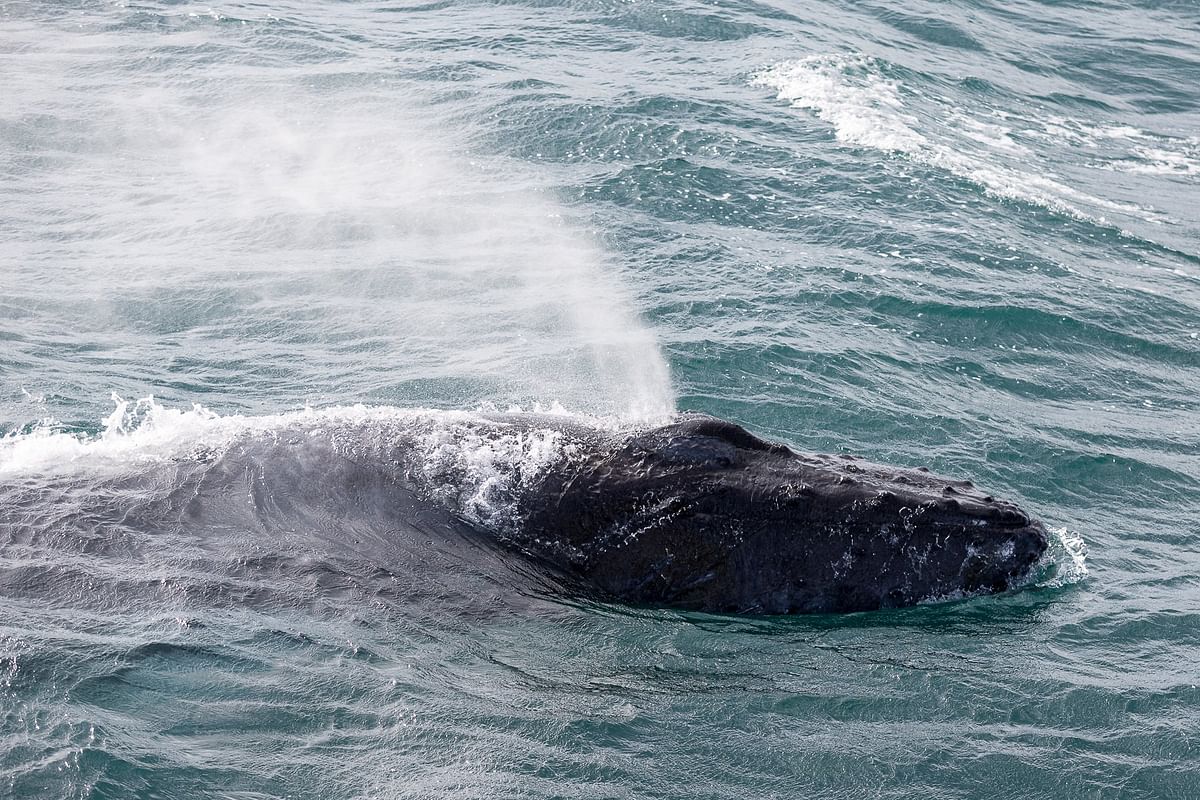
[871, 110]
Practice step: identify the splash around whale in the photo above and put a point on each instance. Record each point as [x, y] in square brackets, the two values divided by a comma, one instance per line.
[692, 512]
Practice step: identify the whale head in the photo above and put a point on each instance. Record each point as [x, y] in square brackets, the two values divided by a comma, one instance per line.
[701, 514]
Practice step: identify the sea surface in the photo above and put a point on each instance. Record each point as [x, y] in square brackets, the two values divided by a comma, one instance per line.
[964, 235]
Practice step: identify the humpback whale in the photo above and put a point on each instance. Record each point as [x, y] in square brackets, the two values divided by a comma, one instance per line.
[475, 509]
[702, 514]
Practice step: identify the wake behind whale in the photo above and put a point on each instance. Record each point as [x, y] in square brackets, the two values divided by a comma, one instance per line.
[470, 510]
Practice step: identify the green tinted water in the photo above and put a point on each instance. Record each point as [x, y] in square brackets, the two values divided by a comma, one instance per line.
[963, 236]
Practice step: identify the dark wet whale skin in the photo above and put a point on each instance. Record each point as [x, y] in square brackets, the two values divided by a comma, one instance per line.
[701, 514]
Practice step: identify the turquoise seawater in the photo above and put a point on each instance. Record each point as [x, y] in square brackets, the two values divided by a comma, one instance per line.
[956, 234]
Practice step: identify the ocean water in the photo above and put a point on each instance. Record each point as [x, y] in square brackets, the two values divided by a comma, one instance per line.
[963, 235]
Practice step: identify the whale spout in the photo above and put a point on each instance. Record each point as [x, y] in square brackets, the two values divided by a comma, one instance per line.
[701, 514]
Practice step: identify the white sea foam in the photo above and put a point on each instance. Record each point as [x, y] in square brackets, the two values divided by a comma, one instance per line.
[869, 110]
[1124, 148]
[864, 108]
[144, 431]
[1161, 161]
[134, 433]
[480, 472]
[1064, 562]
[470, 461]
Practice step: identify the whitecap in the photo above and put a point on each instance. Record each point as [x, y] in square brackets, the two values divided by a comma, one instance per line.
[869, 110]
